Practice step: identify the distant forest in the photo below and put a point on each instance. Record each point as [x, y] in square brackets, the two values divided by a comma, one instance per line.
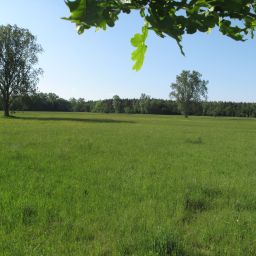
[144, 105]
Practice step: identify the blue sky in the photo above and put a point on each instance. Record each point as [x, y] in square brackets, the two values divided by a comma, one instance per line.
[97, 65]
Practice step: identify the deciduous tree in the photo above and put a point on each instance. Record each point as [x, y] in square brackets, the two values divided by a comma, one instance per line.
[18, 59]
[189, 88]
[144, 103]
[117, 104]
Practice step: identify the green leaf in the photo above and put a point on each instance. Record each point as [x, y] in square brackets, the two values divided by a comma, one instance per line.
[181, 47]
[77, 8]
[138, 56]
[90, 13]
[138, 41]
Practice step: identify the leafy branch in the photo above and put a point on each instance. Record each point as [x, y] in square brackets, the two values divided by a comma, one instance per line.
[234, 18]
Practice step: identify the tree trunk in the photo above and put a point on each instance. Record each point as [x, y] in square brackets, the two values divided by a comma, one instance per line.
[6, 105]
[186, 109]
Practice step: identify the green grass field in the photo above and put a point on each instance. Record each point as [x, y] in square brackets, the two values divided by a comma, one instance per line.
[92, 184]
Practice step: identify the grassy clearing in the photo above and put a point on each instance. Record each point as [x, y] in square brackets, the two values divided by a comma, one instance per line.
[91, 184]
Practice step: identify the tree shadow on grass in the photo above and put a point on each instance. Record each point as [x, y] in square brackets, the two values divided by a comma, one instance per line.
[71, 119]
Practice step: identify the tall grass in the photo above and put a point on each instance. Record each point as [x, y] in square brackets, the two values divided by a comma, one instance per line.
[92, 184]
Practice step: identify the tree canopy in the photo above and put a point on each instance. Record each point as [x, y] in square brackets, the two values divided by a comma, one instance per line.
[18, 59]
[116, 103]
[234, 18]
[189, 88]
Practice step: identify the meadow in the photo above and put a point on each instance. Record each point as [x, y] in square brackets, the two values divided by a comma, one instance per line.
[115, 184]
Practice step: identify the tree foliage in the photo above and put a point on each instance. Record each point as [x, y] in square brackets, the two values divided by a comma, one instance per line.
[234, 18]
[189, 88]
[51, 102]
[18, 57]
[144, 103]
[116, 104]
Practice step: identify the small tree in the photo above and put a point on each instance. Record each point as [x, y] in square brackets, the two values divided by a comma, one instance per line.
[117, 104]
[188, 89]
[18, 57]
[144, 103]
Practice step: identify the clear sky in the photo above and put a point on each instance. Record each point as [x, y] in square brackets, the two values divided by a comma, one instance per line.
[97, 65]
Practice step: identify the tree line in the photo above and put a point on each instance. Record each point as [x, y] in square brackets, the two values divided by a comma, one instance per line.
[19, 75]
[143, 105]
